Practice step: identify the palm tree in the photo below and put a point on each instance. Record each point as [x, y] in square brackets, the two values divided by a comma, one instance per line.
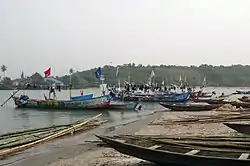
[3, 68]
[71, 71]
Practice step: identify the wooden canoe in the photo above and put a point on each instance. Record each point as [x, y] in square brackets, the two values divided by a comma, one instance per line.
[244, 99]
[240, 104]
[124, 106]
[190, 107]
[242, 92]
[243, 128]
[93, 103]
[83, 97]
[174, 154]
[178, 97]
[210, 101]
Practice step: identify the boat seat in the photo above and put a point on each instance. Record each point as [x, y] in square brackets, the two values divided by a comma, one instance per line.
[154, 147]
[244, 156]
[192, 152]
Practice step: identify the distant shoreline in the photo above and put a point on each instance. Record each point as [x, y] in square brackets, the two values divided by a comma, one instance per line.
[98, 87]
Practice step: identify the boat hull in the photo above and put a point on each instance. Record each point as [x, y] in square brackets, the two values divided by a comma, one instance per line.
[83, 97]
[240, 104]
[169, 157]
[239, 127]
[211, 101]
[94, 103]
[242, 92]
[183, 97]
[184, 107]
[247, 100]
[125, 106]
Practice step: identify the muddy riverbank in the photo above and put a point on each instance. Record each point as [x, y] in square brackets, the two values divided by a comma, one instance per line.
[79, 151]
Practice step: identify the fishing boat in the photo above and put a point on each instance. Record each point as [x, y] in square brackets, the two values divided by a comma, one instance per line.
[242, 92]
[190, 107]
[82, 97]
[209, 101]
[243, 128]
[244, 99]
[240, 104]
[170, 153]
[95, 103]
[180, 97]
[135, 106]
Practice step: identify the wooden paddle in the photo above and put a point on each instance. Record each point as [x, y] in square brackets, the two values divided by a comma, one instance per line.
[9, 97]
[53, 136]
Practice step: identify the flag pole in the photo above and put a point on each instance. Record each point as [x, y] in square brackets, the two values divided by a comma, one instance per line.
[23, 80]
[70, 86]
[103, 91]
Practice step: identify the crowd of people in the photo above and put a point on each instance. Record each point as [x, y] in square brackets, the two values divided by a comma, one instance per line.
[154, 88]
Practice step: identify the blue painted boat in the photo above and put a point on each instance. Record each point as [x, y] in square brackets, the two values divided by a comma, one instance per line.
[101, 102]
[82, 97]
[242, 92]
[178, 97]
[135, 106]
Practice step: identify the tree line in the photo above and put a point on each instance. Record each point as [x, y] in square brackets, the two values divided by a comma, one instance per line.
[235, 75]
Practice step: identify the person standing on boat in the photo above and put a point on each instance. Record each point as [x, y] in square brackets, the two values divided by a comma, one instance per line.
[81, 92]
[52, 90]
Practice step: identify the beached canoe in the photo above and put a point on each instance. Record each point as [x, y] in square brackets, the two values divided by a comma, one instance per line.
[210, 101]
[94, 103]
[240, 104]
[190, 107]
[82, 97]
[135, 106]
[179, 154]
[242, 92]
[244, 99]
[243, 128]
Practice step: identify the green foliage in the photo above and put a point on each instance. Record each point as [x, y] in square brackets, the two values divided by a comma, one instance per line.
[236, 75]
[3, 68]
[36, 78]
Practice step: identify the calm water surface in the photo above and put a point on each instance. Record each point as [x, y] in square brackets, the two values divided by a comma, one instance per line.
[12, 119]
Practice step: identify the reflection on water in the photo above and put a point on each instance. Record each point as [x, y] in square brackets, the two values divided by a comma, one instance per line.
[18, 119]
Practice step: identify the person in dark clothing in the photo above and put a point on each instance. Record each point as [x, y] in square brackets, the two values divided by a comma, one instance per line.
[52, 90]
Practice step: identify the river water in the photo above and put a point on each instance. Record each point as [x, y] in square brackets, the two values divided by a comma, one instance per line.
[12, 119]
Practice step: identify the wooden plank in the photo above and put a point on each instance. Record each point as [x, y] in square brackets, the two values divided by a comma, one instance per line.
[154, 147]
[243, 156]
[192, 152]
[120, 140]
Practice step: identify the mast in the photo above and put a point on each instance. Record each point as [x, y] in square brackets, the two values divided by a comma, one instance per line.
[180, 80]
[118, 79]
[204, 82]
[71, 71]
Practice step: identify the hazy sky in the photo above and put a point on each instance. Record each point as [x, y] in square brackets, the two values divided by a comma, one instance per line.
[36, 34]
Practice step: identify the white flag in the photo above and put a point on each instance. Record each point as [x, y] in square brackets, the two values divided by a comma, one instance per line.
[152, 74]
[117, 71]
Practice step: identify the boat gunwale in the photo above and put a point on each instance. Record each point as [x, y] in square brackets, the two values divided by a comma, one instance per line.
[41, 100]
[106, 140]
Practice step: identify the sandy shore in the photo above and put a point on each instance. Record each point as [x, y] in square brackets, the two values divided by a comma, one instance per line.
[89, 154]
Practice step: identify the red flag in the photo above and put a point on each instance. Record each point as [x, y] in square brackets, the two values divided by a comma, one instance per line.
[47, 72]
